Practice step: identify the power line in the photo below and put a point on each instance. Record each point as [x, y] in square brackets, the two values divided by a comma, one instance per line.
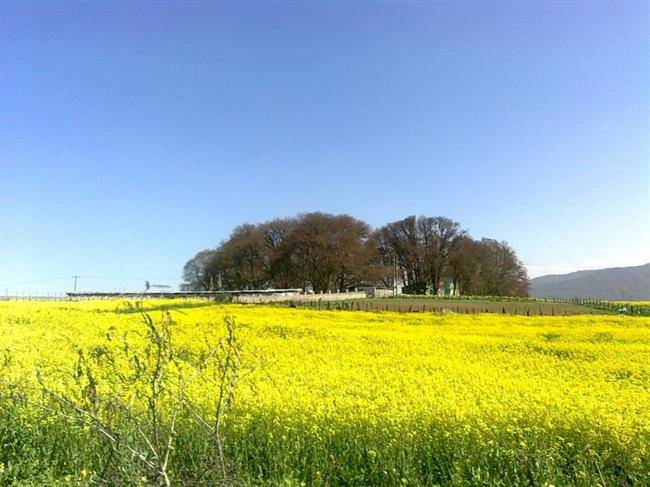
[37, 281]
[115, 278]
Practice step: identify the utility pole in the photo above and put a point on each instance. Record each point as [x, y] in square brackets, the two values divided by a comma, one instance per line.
[75, 283]
[395, 275]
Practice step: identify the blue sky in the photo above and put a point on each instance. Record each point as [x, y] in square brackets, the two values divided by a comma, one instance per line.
[134, 134]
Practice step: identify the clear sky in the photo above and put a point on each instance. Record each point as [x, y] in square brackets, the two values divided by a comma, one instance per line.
[134, 134]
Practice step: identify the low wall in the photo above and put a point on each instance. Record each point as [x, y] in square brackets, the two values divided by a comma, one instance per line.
[384, 293]
[300, 297]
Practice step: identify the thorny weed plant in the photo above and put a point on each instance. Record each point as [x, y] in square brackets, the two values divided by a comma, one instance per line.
[131, 395]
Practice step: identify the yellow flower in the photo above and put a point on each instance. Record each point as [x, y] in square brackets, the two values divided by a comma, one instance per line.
[493, 382]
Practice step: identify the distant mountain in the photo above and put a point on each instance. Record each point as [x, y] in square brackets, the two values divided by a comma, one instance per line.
[624, 283]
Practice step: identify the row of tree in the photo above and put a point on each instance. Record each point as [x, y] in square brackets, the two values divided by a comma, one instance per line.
[339, 252]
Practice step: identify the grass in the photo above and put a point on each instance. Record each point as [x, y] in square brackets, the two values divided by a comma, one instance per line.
[332, 398]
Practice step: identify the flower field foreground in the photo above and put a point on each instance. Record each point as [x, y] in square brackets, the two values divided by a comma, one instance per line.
[341, 398]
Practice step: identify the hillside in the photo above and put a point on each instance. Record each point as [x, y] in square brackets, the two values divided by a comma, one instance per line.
[624, 283]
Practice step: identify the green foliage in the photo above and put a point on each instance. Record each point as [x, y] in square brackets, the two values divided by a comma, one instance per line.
[124, 417]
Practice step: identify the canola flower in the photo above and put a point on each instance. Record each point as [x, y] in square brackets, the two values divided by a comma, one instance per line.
[385, 398]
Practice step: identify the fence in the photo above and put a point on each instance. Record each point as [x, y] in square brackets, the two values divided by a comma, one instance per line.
[621, 307]
[29, 297]
[438, 306]
[383, 301]
[609, 306]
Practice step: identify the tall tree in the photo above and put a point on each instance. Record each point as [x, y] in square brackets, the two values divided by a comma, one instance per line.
[242, 259]
[338, 252]
[500, 272]
[281, 270]
[197, 272]
[464, 264]
[439, 237]
[422, 248]
[330, 251]
[399, 241]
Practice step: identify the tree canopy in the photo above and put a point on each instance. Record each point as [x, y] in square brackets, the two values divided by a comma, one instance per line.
[339, 252]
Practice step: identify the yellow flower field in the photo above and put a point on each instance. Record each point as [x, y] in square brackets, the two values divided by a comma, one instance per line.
[384, 398]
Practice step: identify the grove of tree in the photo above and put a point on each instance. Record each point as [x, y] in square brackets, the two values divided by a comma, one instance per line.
[339, 252]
